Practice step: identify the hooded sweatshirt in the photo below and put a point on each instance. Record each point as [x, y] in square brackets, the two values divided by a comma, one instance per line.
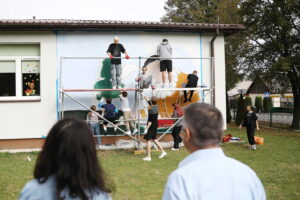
[164, 50]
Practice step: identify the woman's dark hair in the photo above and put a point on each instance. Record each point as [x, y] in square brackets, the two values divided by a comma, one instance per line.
[108, 100]
[124, 94]
[70, 155]
[165, 40]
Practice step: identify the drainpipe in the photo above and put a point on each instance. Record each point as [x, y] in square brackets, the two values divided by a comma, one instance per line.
[212, 55]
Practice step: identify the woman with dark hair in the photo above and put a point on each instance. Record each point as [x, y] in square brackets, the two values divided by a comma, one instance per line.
[67, 167]
[177, 113]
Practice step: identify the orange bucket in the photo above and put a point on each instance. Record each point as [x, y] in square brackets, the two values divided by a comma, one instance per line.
[259, 140]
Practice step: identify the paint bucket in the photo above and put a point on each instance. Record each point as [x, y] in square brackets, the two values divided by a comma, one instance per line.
[259, 140]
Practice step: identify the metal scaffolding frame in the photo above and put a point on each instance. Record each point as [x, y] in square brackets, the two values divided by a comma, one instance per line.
[137, 137]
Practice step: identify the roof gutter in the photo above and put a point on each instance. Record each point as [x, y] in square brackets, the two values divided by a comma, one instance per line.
[212, 55]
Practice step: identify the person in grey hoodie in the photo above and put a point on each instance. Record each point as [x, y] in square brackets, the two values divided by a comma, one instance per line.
[164, 50]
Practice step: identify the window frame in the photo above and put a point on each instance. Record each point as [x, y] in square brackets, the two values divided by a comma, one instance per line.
[18, 70]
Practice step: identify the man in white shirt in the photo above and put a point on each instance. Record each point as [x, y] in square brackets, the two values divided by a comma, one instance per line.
[207, 173]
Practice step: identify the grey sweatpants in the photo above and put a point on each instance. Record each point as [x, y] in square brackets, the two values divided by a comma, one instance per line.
[116, 74]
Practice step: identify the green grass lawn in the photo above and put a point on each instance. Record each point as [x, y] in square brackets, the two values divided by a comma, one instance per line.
[277, 163]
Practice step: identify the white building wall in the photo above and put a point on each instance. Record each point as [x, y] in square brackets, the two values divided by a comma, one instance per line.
[32, 119]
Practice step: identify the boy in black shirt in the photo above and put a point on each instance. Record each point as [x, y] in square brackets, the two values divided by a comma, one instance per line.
[114, 50]
[251, 123]
[192, 83]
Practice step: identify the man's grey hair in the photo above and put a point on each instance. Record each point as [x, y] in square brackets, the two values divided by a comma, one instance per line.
[205, 123]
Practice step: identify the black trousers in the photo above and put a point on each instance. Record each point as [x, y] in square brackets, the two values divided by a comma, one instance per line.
[175, 133]
[185, 95]
[250, 134]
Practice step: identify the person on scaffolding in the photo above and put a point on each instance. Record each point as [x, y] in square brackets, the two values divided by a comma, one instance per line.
[177, 113]
[151, 129]
[93, 121]
[144, 79]
[127, 116]
[164, 51]
[192, 81]
[109, 113]
[114, 50]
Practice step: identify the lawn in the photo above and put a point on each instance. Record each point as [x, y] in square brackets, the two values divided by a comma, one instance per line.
[277, 163]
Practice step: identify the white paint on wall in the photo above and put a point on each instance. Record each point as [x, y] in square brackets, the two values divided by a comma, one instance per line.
[32, 119]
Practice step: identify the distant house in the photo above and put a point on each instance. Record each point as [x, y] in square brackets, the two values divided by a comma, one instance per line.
[258, 87]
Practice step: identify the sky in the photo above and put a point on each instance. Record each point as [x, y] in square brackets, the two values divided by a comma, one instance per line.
[124, 10]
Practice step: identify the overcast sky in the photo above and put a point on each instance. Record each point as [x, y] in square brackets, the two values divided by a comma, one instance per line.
[126, 10]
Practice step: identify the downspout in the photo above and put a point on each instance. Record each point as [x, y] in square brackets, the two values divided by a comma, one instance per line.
[212, 55]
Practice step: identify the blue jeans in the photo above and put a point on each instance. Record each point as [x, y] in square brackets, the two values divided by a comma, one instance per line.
[116, 73]
[96, 130]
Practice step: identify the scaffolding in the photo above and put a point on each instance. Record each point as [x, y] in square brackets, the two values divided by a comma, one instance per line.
[203, 90]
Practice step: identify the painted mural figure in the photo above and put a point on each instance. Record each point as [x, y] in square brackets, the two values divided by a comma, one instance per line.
[114, 50]
[192, 81]
[164, 50]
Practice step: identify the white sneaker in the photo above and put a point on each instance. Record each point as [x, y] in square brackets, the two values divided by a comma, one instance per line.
[253, 147]
[147, 158]
[181, 144]
[164, 85]
[114, 87]
[135, 131]
[163, 154]
[105, 129]
[128, 132]
[174, 149]
[172, 85]
[115, 128]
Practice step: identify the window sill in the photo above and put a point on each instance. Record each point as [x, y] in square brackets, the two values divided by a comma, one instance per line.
[20, 99]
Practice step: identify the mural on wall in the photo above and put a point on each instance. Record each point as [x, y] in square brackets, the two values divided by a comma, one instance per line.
[130, 76]
[95, 73]
[31, 78]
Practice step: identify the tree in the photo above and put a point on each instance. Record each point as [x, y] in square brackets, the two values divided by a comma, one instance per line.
[241, 110]
[273, 28]
[214, 11]
[267, 102]
[258, 103]
[248, 101]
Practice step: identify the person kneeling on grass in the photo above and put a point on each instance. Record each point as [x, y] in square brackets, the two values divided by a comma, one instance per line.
[251, 123]
[151, 130]
[108, 112]
[178, 112]
[68, 167]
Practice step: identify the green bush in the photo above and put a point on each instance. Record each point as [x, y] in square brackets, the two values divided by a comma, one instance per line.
[258, 104]
[267, 103]
[241, 110]
[248, 101]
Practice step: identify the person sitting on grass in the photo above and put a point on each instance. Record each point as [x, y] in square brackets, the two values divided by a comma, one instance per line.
[207, 173]
[177, 113]
[151, 130]
[93, 121]
[127, 113]
[68, 167]
[108, 112]
[251, 123]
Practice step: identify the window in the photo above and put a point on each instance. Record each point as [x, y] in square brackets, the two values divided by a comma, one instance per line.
[19, 72]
